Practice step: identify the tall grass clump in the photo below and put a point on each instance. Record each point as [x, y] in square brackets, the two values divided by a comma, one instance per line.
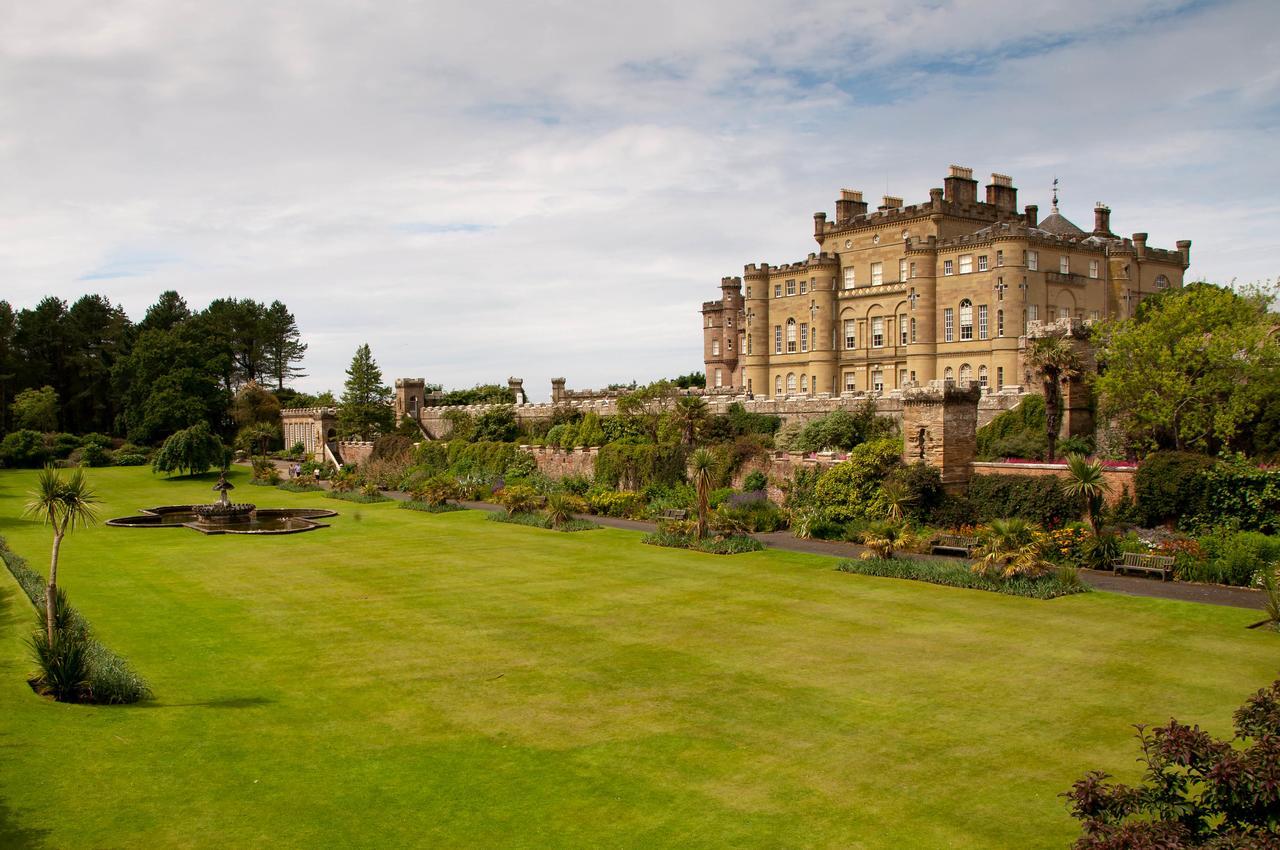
[959, 575]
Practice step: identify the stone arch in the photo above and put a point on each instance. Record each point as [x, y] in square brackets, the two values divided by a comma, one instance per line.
[791, 383]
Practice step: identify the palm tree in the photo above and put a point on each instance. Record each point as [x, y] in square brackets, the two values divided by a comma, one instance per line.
[701, 464]
[1057, 362]
[63, 503]
[897, 497]
[559, 509]
[1010, 548]
[1086, 480]
[688, 414]
[259, 434]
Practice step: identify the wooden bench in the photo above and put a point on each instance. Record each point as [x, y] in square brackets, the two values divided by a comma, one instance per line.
[954, 544]
[1162, 564]
[674, 513]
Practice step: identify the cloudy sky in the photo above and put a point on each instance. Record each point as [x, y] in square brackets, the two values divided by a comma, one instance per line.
[487, 189]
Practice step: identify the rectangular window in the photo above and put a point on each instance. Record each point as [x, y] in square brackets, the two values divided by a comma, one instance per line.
[982, 262]
[715, 348]
[913, 376]
[848, 278]
[947, 268]
[877, 381]
[749, 338]
[1093, 269]
[913, 330]
[719, 379]
[999, 322]
[877, 333]
[1093, 314]
[902, 329]
[850, 383]
[982, 377]
[902, 270]
[1033, 261]
[728, 343]
[913, 269]
[748, 292]
[982, 321]
[966, 263]
[777, 290]
[1033, 312]
[999, 258]
[850, 337]
[791, 287]
[804, 287]
[804, 336]
[999, 377]
[1024, 320]
[877, 274]
[791, 336]
[948, 324]
[1064, 264]
[777, 339]
[902, 378]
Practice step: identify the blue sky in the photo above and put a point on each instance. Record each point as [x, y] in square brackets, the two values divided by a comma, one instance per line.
[553, 189]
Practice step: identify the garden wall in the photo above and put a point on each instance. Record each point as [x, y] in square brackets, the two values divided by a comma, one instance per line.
[1119, 478]
[352, 451]
[558, 463]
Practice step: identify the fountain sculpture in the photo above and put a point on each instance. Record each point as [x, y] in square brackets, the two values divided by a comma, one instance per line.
[227, 517]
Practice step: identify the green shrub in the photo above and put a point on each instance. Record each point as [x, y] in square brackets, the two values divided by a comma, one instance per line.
[755, 481]
[757, 516]
[431, 508]
[123, 458]
[629, 465]
[1169, 486]
[62, 445]
[955, 574]
[519, 499]
[578, 485]
[923, 485]
[1077, 445]
[190, 451]
[1015, 433]
[842, 430]
[94, 454]
[615, 503]
[94, 438]
[711, 545]
[1237, 492]
[23, 450]
[1235, 557]
[360, 498]
[851, 490]
[63, 664]
[1037, 499]
[542, 521]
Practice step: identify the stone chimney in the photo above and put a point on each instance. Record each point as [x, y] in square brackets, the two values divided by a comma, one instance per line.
[1001, 194]
[1140, 245]
[891, 203]
[557, 390]
[1184, 248]
[959, 187]
[1102, 219]
[850, 205]
[1033, 215]
[819, 225]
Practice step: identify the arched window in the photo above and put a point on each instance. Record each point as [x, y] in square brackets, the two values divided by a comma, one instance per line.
[804, 383]
[791, 336]
[777, 386]
[982, 376]
[966, 319]
[1162, 282]
[948, 374]
[966, 373]
[791, 383]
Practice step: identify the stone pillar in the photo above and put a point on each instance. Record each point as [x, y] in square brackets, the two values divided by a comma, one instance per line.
[940, 427]
[516, 385]
[557, 390]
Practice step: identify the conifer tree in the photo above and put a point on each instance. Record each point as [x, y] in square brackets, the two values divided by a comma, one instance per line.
[365, 411]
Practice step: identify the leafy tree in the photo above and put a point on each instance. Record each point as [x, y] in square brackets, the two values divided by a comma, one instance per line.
[36, 409]
[1198, 793]
[690, 381]
[366, 402]
[284, 345]
[62, 504]
[190, 451]
[23, 449]
[479, 394]
[1056, 362]
[166, 384]
[643, 409]
[258, 435]
[1086, 481]
[851, 490]
[169, 310]
[1192, 368]
[255, 404]
[497, 425]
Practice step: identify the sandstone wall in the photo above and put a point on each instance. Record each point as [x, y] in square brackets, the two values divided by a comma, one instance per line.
[352, 451]
[1119, 478]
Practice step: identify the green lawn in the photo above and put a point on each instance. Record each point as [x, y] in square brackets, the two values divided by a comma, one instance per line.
[410, 679]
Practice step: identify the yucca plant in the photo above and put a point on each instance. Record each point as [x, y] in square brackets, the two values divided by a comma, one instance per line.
[63, 504]
[559, 509]
[1009, 549]
[64, 665]
[1085, 479]
[702, 465]
[883, 537]
[897, 498]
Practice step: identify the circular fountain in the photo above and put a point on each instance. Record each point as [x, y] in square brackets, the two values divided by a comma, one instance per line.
[227, 517]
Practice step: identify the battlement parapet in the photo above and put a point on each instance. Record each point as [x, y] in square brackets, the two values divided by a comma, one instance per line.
[943, 391]
[308, 412]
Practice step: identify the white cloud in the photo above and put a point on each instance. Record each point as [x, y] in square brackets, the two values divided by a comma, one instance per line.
[488, 189]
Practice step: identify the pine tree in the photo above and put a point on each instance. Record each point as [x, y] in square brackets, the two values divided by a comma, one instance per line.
[365, 411]
[284, 345]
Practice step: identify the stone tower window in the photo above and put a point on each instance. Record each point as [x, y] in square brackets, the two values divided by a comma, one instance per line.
[999, 322]
[1093, 269]
[982, 262]
[902, 271]
[791, 287]
[1162, 282]
[877, 274]
[1064, 264]
[999, 258]
[777, 339]
[966, 263]
[877, 332]
[1033, 261]
[715, 348]
[804, 336]
[849, 278]
[902, 329]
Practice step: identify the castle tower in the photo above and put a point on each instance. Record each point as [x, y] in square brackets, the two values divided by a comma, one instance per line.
[824, 270]
[940, 427]
[755, 358]
[409, 395]
[922, 298]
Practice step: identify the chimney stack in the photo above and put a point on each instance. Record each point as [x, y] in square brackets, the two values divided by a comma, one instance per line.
[850, 205]
[1001, 194]
[1102, 219]
[959, 187]
[1140, 245]
[891, 203]
[819, 225]
[1033, 215]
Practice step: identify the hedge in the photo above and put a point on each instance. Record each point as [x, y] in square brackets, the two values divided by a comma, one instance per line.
[1034, 498]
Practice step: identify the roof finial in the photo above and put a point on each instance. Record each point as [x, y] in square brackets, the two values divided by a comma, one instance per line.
[1055, 196]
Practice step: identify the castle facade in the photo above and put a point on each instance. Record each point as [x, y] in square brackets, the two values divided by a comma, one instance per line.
[904, 295]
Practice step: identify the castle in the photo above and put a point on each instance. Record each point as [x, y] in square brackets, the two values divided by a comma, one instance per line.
[905, 295]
